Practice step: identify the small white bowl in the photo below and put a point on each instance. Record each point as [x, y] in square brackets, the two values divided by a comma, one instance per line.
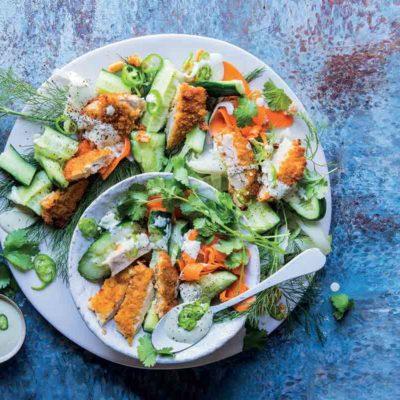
[82, 289]
[17, 342]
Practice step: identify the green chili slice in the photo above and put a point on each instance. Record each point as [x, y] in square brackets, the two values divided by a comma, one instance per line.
[153, 102]
[65, 125]
[152, 63]
[132, 76]
[45, 269]
[3, 322]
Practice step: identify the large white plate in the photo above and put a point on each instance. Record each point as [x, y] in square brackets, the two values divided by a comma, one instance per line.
[55, 303]
[82, 290]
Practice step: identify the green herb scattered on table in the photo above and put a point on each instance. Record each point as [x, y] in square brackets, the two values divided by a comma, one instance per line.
[341, 303]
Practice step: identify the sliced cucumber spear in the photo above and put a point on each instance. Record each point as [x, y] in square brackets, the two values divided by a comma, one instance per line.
[13, 163]
[222, 88]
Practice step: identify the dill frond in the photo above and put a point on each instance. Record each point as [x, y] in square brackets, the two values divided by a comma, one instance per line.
[254, 74]
[43, 105]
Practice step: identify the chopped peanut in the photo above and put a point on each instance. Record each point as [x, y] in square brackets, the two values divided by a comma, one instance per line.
[134, 60]
[115, 67]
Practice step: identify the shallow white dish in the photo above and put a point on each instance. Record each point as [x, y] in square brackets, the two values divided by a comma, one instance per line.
[57, 296]
[82, 290]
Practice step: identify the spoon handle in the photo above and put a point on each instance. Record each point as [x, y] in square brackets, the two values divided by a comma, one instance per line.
[307, 262]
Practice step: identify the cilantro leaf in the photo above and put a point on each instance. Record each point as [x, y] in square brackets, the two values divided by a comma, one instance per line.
[133, 205]
[179, 169]
[276, 98]
[5, 278]
[341, 304]
[313, 185]
[19, 250]
[148, 353]
[227, 246]
[236, 259]
[245, 111]
[254, 339]
[204, 227]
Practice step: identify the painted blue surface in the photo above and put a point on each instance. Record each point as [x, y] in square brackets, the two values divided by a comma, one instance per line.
[341, 58]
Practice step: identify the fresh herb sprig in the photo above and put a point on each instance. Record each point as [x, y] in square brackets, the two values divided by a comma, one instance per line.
[254, 74]
[276, 98]
[148, 353]
[44, 105]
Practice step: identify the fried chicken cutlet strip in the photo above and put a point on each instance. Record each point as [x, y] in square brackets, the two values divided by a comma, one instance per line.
[289, 163]
[58, 206]
[106, 302]
[238, 157]
[87, 164]
[137, 301]
[189, 110]
[166, 284]
[121, 110]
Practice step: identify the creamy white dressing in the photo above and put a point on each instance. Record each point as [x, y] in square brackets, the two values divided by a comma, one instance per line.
[273, 186]
[191, 247]
[11, 338]
[109, 221]
[127, 250]
[190, 291]
[216, 63]
[175, 332]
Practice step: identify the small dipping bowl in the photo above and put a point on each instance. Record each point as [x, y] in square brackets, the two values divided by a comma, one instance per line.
[11, 339]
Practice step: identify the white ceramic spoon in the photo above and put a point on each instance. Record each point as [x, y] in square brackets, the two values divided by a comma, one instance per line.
[307, 262]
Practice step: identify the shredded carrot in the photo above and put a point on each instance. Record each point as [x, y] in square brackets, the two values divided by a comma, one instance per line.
[234, 290]
[261, 118]
[278, 119]
[263, 137]
[155, 203]
[192, 235]
[221, 121]
[231, 73]
[191, 272]
[84, 147]
[115, 67]
[251, 132]
[106, 171]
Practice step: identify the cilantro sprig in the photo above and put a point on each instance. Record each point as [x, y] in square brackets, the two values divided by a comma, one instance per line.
[148, 353]
[19, 250]
[245, 111]
[276, 98]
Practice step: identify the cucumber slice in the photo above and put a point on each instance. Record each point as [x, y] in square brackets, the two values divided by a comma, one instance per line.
[316, 234]
[151, 320]
[150, 155]
[54, 171]
[159, 227]
[12, 162]
[195, 140]
[108, 82]
[22, 194]
[16, 218]
[311, 210]
[164, 85]
[35, 203]
[222, 88]
[179, 228]
[261, 217]
[54, 145]
[213, 284]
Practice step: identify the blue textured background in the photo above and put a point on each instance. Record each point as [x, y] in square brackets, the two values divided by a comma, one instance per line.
[342, 59]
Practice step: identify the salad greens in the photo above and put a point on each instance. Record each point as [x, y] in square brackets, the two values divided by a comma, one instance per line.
[245, 111]
[148, 353]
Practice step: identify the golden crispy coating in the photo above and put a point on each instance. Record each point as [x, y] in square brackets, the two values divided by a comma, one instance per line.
[264, 195]
[166, 284]
[58, 206]
[121, 110]
[137, 301]
[190, 110]
[87, 164]
[240, 163]
[291, 169]
[107, 300]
